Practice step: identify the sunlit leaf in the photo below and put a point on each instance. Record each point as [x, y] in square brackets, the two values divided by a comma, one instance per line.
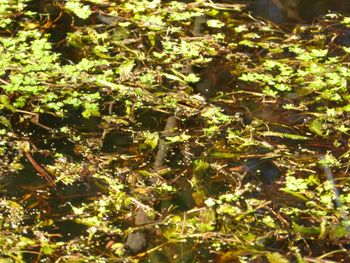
[285, 135]
[80, 10]
[276, 257]
[125, 68]
[215, 23]
[306, 230]
[223, 155]
[4, 121]
[151, 139]
[316, 126]
[210, 202]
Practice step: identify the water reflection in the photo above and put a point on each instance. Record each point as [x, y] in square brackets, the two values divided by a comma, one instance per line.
[281, 11]
[269, 10]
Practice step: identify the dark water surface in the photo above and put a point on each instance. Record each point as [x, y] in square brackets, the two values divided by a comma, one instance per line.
[296, 11]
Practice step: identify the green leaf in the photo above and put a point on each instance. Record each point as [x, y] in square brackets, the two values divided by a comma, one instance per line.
[285, 135]
[296, 194]
[276, 257]
[223, 155]
[215, 23]
[306, 230]
[145, 173]
[191, 78]
[346, 49]
[80, 10]
[282, 87]
[346, 20]
[319, 52]
[200, 168]
[316, 126]
[210, 202]
[4, 121]
[346, 108]
[91, 110]
[5, 102]
[337, 232]
[151, 139]
[178, 138]
[125, 68]
[173, 77]
[48, 250]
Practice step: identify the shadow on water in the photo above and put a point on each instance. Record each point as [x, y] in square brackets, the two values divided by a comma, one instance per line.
[117, 142]
[151, 120]
[215, 77]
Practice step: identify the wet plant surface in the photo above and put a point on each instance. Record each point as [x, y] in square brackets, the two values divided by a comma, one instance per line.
[150, 131]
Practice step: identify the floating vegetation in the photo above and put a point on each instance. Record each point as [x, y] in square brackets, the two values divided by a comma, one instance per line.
[158, 131]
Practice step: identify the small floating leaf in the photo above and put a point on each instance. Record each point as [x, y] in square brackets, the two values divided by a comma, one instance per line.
[191, 78]
[200, 167]
[346, 21]
[6, 103]
[215, 23]
[80, 10]
[338, 231]
[346, 49]
[173, 77]
[316, 126]
[178, 138]
[223, 155]
[276, 257]
[4, 121]
[306, 230]
[151, 139]
[346, 108]
[125, 68]
[210, 202]
[285, 135]
[145, 173]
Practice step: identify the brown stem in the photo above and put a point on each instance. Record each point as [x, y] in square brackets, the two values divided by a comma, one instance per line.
[39, 169]
[163, 145]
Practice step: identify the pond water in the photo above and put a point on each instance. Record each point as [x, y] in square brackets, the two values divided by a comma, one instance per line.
[221, 193]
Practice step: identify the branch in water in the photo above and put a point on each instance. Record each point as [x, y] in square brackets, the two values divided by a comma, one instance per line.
[39, 169]
[163, 146]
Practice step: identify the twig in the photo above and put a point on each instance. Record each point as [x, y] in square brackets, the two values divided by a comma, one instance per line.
[163, 145]
[39, 169]
[4, 82]
[343, 213]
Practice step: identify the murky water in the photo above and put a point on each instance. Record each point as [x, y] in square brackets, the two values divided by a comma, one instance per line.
[216, 80]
